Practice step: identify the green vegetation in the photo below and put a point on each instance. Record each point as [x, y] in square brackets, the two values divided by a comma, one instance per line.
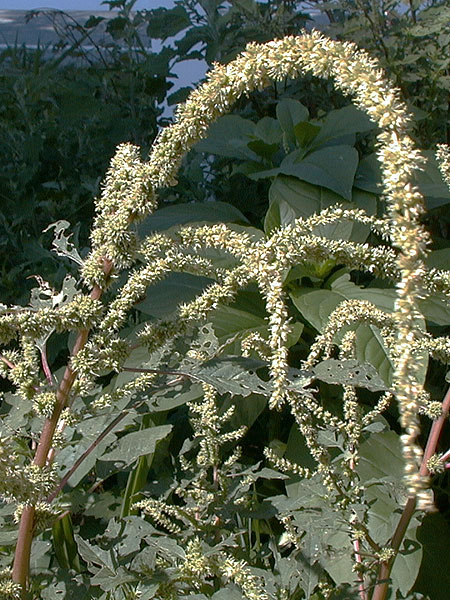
[229, 379]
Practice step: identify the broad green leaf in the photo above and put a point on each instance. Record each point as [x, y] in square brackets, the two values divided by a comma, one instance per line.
[430, 182]
[229, 137]
[89, 431]
[268, 130]
[305, 132]
[262, 149]
[40, 555]
[342, 122]
[180, 214]
[297, 451]
[108, 582]
[66, 586]
[333, 168]
[436, 308]
[337, 559]
[370, 348]
[164, 23]
[234, 375]
[439, 259]
[289, 113]
[165, 297]
[368, 175]
[227, 593]
[94, 555]
[349, 372]
[246, 410]
[291, 198]
[179, 96]
[135, 444]
[381, 469]
[316, 306]
[232, 325]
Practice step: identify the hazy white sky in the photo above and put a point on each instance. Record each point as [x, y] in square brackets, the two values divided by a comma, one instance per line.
[74, 4]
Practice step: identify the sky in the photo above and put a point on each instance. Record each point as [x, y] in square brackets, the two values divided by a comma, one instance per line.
[74, 4]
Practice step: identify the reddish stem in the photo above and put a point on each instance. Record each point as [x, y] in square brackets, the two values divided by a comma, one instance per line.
[7, 362]
[46, 366]
[381, 588]
[21, 564]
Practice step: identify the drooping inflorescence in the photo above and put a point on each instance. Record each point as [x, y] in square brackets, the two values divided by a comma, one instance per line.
[129, 194]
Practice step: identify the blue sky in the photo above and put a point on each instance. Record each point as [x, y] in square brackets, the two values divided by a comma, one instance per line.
[74, 4]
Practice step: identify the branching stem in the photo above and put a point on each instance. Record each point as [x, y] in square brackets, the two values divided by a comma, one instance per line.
[21, 564]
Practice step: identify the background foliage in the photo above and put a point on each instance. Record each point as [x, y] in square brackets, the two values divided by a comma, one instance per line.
[284, 153]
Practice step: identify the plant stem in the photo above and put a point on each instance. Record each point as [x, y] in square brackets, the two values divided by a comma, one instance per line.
[21, 564]
[85, 454]
[381, 588]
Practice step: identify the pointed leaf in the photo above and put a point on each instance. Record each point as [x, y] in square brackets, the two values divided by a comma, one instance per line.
[289, 113]
[229, 137]
[135, 444]
[332, 167]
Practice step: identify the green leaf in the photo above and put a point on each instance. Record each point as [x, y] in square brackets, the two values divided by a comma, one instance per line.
[108, 582]
[64, 545]
[370, 348]
[233, 375]
[305, 133]
[268, 130]
[333, 168]
[349, 372]
[381, 469]
[246, 410]
[290, 198]
[342, 122]
[436, 308]
[439, 259]
[165, 297]
[179, 96]
[135, 444]
[88, 432]
[316, 306]
[94, 555]
[209, 212]
[164, 23]
[430, 182]
[289, 113]
[229, 137]
[262, 149]
[227, 593]
[232, 325]
[368, 175]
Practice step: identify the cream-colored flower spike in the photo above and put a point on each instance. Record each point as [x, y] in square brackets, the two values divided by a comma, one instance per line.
[355, 74]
